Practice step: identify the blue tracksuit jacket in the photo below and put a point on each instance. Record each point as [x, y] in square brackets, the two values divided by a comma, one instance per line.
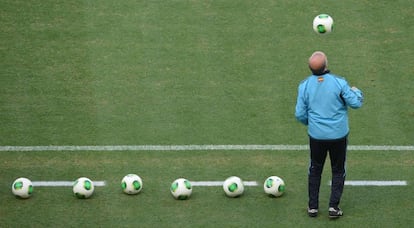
[322, 105]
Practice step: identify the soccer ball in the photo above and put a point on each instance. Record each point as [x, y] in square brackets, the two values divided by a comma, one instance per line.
[233, 186]
[323, 23]
[181, 189]
[274, 186]
[22, 187]
[131, 184]
[83, 188]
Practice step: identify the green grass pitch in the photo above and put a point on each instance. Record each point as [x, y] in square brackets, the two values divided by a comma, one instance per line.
[185, 72]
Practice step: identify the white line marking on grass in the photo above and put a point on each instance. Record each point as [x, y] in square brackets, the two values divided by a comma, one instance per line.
[195, 147]
[375, 183]
[220, 183]
[63, 183]
[384, 147]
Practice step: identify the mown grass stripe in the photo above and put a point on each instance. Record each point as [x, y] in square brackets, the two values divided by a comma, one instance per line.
[195, 147]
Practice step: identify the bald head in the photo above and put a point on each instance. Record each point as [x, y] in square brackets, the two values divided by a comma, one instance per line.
[318, 63]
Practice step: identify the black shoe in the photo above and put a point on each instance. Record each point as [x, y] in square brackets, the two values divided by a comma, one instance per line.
[335, 212]
[312, 212]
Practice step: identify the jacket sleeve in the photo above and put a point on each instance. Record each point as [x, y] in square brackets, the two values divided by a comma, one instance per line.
[301, 111]
[353, 97]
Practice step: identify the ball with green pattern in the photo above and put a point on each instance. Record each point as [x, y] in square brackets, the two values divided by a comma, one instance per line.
[181, 189]
[83, 188]
[323, 24]
[131, 184]
[274, 186]
[233, 186]
[22, 188]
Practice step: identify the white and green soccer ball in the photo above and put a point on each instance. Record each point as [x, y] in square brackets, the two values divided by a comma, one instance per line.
[83, 188]
[233, 186]
[22, 187]
[323, 24]
[274, 186]
[131, 184]
[181, 189]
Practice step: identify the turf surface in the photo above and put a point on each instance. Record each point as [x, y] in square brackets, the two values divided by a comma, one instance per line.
[196, 72]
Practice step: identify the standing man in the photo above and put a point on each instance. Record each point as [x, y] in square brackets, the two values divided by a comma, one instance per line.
[322, 104]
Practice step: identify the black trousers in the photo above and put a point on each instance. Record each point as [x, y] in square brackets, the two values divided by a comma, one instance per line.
[318, 153]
